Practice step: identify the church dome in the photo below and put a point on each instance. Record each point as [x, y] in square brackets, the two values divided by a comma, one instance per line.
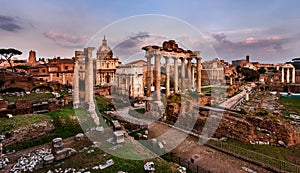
[104, 51]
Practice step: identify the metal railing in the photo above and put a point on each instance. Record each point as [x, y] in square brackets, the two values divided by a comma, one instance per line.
[265, 161]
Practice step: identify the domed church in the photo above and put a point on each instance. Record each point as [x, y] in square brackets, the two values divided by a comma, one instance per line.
[106, 65]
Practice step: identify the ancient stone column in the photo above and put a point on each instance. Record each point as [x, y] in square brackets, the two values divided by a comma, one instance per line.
[230, 78]
[175, 74]
[293, 75]
[126, 85]
[288, 75]
[133, 86]
[182, 75]
[76, 85]
[89, 77]
[118, 84]
[198, 73]
[90, 84]
[282, 75]
[148, 92]
[167, 75]
[86, 79]
[157, 78]
[189, 67]
[193, 77]
[98, 78]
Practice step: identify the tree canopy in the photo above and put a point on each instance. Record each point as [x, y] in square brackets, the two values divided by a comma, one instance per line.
[262, 70]
[250, 74]
[8, 54]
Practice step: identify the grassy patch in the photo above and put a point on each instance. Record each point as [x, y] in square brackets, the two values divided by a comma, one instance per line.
[20, 121]
[34, 97]
[269, 150]
[64, 121]
[292, 105]
[137, 112]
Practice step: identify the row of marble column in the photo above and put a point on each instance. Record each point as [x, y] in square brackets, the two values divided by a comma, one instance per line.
[288, 74]
[157, 75]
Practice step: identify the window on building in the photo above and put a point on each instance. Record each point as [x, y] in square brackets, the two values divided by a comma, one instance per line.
[66, 67]
[57, 74]
[44, 71]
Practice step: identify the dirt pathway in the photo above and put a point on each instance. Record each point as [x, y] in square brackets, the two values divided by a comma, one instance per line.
[206, 158]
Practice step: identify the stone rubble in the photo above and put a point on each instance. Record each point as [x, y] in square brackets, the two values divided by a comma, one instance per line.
[149, 167]
[79, 136]
[59, 150]
[31, 161]
[181, 169]
[108, 163]
[68, 170]
[248, 170]
[3, 163]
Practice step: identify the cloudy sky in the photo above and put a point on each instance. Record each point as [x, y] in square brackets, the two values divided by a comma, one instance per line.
[268, 31]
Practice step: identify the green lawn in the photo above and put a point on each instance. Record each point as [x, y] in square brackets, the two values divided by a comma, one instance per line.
[32, 96]
[269, 150]
[20, 121]
[292, 105]
[63, 120]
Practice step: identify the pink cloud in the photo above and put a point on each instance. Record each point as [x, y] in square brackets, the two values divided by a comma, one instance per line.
[65, 39]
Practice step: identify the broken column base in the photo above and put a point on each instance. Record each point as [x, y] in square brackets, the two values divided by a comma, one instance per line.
[64, 153]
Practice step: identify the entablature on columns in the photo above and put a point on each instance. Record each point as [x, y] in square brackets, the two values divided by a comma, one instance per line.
[287, 66]
[179, 53]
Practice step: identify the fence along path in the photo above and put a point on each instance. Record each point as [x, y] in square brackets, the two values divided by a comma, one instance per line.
[267, 162]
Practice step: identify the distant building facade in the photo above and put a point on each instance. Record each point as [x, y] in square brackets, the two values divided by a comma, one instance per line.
[106, 65]
[129, 80]
[53, 70]
[212, 71]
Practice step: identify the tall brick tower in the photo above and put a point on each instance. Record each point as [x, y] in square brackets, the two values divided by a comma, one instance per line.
[32, 57]
[247, 58]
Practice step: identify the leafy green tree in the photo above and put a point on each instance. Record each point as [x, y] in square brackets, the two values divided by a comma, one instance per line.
[250, 74]
[261, 70]
[8, 54]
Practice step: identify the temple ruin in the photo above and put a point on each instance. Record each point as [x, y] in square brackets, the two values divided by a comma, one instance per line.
[170, 50]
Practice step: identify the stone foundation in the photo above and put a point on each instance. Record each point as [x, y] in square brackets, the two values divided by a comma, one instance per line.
[28, 132]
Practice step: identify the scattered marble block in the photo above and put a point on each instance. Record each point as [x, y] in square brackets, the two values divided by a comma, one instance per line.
[48, 159]
[108, 163]
[64, 153]
[100, 129]
[182, 169]
[118, 136]
[149, 167]
[79, 137]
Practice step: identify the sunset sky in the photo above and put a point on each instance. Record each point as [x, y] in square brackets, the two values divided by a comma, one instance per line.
[268, 31]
